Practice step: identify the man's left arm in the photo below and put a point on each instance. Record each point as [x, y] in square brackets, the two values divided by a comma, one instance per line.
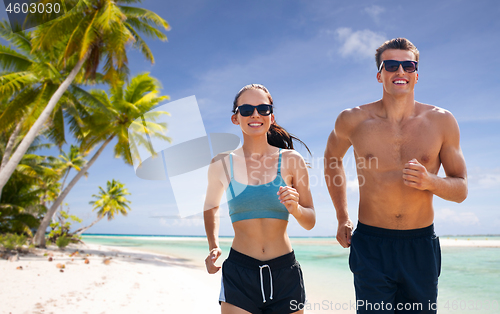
[453, 187]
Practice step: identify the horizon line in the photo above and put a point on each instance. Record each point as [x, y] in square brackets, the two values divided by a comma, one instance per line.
[225, 236]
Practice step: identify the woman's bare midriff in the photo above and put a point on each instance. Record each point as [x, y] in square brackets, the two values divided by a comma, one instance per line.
[261, 238]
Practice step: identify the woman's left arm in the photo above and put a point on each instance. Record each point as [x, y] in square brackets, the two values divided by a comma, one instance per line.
[297, 198]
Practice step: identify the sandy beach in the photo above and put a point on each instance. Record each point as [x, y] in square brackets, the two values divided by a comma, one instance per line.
[117, 280]
[129, 282]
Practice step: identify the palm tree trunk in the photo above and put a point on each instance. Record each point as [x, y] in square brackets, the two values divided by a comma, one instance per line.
[11, 165]
[10, 145]
[62, 186]
[65, 177]
[82, 230]
[39, 239]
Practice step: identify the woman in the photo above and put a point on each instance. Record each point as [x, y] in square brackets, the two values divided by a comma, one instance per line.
[265, 181]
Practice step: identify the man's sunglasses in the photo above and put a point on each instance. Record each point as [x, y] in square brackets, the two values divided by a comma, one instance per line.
[247, 110]
[393, 66]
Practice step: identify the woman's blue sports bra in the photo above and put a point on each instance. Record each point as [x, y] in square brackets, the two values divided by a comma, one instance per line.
[255, 201]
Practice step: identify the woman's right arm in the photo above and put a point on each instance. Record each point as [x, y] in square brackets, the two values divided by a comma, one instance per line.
[215, 190]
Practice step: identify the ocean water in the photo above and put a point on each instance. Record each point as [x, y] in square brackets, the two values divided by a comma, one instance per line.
[469, 281]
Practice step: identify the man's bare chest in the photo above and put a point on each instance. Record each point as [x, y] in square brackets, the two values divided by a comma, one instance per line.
[382, 146]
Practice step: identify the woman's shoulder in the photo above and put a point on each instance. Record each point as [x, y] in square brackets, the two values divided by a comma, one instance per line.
[222, 155]
[292, 158]
[291, 153]
[216, 165]
[219, 169]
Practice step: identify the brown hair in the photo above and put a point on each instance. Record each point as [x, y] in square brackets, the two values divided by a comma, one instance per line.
[396, 43]
[276, 135]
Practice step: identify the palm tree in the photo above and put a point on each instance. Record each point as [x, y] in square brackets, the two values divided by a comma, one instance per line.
[26, 87]
[107, 118]
[109, 203]
[66, 162]
[93, 30]
[71, 160]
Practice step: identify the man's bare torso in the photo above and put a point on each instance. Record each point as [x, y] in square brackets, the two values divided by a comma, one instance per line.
[382, 148]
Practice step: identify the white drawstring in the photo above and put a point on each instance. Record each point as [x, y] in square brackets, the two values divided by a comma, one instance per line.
[262, 283]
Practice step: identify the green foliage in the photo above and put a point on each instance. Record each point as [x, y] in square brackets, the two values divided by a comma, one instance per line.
[100, 32]
[24, 197]
[119, 112]
[28, 79]
[63, 241]
[14, 219]
[11, 241]
[61, 228]
[71, 160]
[111, 201]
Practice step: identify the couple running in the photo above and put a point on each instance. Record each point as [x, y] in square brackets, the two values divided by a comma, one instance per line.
[399, 145]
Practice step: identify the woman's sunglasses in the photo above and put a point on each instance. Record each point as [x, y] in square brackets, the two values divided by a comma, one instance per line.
[393, 66]
[247, 110]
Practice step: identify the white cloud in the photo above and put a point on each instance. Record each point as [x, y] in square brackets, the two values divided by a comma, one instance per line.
[360, 44]
[489, 180]
[484, 179]
[353, 185]
[374, 11]
[446, 215]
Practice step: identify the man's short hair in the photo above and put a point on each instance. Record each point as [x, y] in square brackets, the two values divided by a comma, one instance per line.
[396, 43]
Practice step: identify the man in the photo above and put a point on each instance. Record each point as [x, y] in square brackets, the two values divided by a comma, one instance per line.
[399, 145]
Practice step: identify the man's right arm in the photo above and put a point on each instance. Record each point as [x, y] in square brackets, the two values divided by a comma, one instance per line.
[336, 147]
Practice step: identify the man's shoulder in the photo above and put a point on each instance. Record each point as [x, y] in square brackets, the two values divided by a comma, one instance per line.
[360, 110]
[435, 113]
[353, 116]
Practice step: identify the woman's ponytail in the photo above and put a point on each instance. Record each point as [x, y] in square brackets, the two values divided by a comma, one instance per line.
[279, 137]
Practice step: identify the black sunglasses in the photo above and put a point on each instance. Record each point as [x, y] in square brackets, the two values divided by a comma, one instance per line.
[247, 110]
[393, 66]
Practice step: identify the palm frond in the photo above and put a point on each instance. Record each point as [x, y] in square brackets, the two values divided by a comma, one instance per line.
[21, 40]
[14, 82]
[46, 73]
[89, 38]
[18, 107]
[141, 84]
[116, 44]
[56, 30]
[90, 99]
[56, 132]
[141, 44]
[150, 100]
[146, 16]
[146, 28]
[109, 17]
[11, 60]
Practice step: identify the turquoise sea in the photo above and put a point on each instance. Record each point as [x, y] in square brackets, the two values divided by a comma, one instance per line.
[469, 281]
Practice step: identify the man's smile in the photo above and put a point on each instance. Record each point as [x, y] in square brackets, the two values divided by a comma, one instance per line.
[400, 81]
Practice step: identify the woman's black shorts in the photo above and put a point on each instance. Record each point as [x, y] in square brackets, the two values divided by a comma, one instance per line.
[273, 286]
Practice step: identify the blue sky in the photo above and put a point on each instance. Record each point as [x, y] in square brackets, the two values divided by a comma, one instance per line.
[317, 58]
